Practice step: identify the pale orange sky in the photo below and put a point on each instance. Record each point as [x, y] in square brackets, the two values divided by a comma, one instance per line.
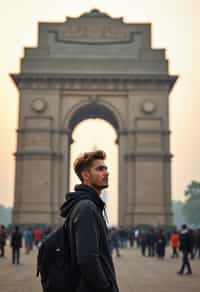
[87, 136]
[175, 27]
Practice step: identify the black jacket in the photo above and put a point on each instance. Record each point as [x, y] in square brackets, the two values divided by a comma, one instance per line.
[94, 268]
[185, 242]
[16, 239]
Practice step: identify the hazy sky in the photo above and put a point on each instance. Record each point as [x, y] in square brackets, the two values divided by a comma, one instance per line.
[175, 27]
[88, 135]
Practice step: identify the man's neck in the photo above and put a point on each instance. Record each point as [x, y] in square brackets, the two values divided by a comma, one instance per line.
[98, 191]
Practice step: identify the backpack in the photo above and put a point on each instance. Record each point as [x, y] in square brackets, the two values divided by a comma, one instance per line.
[54, 261]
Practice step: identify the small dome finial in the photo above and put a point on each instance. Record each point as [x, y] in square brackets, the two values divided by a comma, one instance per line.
[95, 13]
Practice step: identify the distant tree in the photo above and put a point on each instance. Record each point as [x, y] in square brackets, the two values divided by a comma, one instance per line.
[5, 215]
[191, 208]
[178, 216]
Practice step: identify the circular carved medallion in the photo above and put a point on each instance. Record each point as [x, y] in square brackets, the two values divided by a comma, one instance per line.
[148, 106]
[38, 105]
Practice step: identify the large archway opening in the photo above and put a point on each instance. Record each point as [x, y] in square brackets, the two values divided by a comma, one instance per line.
[92, 134]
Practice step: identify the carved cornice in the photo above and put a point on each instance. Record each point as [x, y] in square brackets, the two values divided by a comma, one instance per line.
[41, 130]
[94, 81]
[20, 211]
[149, 213]
[143, 131]
[38, 153]
[148, 156]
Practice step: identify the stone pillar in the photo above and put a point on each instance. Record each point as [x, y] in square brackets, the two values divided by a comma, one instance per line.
[167, 191]
[123, 172]
[64, 172]
[18, 190]
[35, 195]
[130, 208]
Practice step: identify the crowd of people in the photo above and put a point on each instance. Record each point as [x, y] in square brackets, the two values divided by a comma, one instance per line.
[152, 242]
[18, 238]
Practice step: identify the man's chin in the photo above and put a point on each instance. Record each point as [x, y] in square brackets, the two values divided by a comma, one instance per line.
[104, 186]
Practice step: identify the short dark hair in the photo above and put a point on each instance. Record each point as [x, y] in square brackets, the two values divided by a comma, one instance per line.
[85, 160]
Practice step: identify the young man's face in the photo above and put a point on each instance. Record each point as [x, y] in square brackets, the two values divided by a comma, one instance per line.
[97, 175]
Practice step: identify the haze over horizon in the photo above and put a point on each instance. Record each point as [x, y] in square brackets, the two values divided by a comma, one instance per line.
[175, 27]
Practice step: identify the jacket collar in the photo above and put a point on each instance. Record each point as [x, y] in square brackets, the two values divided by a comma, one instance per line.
[92, 194]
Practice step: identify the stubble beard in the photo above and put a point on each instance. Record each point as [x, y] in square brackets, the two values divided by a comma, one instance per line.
[100, 187]
[104, 187]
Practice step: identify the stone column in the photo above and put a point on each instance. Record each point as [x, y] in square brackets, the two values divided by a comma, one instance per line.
[131, 191]
[167, 191]
[64, 172]
[17, 191]
[123, 172]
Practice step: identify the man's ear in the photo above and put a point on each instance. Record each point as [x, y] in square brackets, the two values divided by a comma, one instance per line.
[85, 175]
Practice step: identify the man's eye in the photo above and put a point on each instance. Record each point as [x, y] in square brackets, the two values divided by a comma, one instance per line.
[101, 168]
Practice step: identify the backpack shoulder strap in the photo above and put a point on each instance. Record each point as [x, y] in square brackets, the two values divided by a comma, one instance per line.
[68, 227]
[70, 217]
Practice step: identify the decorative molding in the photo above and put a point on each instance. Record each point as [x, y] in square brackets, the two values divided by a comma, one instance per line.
[100, 93]
[143, 131]
[135, 213]
[148, 156]
[43, 153]
[101, 29]
[91, 39]
[19, 211]
[108, 82]
[43, 130]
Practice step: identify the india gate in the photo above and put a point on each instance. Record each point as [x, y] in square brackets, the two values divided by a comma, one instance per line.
[93, 66]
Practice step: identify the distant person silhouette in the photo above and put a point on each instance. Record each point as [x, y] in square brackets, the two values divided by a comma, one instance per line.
[185, 247]
[3, 236]
[16, 244]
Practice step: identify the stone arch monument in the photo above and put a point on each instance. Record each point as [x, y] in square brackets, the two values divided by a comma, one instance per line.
[93, 66]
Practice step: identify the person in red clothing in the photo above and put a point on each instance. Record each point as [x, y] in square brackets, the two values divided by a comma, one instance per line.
[37, 233]
[175, 244]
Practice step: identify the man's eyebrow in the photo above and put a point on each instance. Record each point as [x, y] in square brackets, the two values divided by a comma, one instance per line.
[102, 166]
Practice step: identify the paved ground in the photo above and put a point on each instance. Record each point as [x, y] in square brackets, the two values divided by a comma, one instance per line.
[135, 274]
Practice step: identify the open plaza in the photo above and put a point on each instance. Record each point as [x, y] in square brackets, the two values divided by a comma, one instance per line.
[135, 273]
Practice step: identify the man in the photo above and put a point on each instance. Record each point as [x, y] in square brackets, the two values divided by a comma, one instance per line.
[114, 236]
[160, 244]
[185, 247]
[3, 237]
[16, 244]
[28, 239]
[93, 266]
[151, 242]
